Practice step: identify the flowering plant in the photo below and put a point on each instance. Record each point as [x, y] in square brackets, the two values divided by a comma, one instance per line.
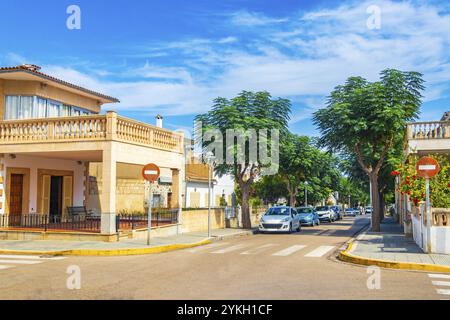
[414, 186]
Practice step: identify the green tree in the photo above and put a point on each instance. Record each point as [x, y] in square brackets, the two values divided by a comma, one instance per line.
[270, 188]
[365, 118]
[297, 158]
[247, 111]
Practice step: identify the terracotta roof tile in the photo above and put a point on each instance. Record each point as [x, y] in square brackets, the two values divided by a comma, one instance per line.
[33, 69]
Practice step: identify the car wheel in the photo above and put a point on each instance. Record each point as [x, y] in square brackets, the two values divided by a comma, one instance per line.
[299, 228]
[290, 228]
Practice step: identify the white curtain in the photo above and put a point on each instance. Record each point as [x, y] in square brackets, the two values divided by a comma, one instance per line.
[53, 109]
[26, 108]
[12, 104]
[40, 108]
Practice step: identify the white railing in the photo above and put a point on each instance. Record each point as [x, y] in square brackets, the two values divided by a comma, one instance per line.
[428, 130]
[88, 128]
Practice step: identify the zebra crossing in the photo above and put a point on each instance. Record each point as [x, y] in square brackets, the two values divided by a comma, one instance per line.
[12, 261]
[271, 249]
[441, 283]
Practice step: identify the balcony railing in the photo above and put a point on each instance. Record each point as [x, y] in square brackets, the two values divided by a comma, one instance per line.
[89, 128]
[428, 130]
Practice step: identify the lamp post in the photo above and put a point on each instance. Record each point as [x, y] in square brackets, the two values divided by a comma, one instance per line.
[306, 193]
[210, 161]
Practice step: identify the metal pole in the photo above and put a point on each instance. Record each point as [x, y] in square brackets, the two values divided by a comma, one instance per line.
[209, 200]
[428, 214]
[306, 195]
[150, 200]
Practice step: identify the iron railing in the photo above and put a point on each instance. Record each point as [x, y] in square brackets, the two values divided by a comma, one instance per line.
[160, 217]
[45, 222]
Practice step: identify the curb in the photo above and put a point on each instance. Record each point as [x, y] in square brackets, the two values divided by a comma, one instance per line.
[347, 257]
[110, 252]
[127, 251]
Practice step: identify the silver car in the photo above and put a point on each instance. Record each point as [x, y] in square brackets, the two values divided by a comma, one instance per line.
[280, 219]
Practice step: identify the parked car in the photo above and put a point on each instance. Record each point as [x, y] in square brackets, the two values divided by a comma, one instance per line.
[326, 213]
[338, 212]
[368, 210]
[308, 216]
[280, 219]
[350, 212]
[358, 211]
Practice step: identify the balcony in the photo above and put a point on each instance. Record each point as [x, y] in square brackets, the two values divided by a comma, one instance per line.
[428, 137]
[92, 128]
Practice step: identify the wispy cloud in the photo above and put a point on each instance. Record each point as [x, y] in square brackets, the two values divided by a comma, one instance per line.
[302, 56]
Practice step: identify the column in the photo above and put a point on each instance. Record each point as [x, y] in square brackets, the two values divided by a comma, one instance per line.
[176, 185]
[108, 198]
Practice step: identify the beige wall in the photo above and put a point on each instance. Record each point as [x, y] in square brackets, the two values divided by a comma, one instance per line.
[35, 88]
[197, 220]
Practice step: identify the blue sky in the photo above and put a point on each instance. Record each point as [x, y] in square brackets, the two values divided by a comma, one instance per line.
[174, 57]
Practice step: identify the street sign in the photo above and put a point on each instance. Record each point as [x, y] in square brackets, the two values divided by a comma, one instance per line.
[427, 167]
[151, 172]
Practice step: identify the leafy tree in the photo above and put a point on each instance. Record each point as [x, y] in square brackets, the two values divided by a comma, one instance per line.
[270, 188]
[365, 118]
[247, 111]
[297, 159]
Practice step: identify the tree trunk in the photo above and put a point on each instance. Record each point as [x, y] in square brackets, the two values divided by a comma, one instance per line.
[382, 207]
[246, 221]
[376, 213]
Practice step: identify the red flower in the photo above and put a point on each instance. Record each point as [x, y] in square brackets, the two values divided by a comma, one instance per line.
[414, 177]
[409, 193]
[448, 185]
[395, 173]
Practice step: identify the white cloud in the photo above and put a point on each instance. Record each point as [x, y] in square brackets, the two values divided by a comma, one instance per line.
[300, 56]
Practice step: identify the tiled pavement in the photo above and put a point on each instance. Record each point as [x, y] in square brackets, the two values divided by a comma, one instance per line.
[391, 245]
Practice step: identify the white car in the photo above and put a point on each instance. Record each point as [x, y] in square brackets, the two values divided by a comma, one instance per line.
[326, 213]
[280, 219]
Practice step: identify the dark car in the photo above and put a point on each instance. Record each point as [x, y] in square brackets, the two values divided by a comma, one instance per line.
[338, 212]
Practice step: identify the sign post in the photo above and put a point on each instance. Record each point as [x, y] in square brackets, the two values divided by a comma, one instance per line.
[427, 168]
[150, 173]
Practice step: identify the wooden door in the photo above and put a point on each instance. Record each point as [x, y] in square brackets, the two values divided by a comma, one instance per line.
[67, 194]
[45, 194]
[16, 195]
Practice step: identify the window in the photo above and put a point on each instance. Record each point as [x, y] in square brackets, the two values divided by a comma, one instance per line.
[28, 107]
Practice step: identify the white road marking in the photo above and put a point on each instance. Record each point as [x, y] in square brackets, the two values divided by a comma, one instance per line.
[20, 262]
[259, 249]
[443, 291]
[319, 252]
[24, 257]
[230, 249]
[5, 267]
[208, 246]
[441, 283]
[289, 251]
[439, 276]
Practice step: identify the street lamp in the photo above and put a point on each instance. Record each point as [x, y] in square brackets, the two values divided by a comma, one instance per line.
[210, 160]
[306, 193]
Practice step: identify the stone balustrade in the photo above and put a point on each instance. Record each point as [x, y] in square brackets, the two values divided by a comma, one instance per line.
[428, 130]
[88, 128]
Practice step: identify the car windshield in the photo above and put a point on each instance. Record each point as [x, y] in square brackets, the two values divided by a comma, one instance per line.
[278, 212]
[349, 209]
[322, 208]
[304, 210]
[305, 214]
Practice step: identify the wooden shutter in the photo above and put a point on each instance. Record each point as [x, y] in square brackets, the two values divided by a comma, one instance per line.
[67, 194]
[194, 199]
[45, 194]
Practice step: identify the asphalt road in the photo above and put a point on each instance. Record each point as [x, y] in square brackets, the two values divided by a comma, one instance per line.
[264, 266]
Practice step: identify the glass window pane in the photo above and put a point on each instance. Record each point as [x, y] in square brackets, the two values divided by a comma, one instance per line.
[40, 109]
[53, 109]
[65, 111]
[26, 108]
[12, 104]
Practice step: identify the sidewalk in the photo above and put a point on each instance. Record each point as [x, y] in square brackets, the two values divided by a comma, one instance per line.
[391, 249]
[124, 247]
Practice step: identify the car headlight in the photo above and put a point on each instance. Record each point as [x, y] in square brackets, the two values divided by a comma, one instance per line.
[286, 219]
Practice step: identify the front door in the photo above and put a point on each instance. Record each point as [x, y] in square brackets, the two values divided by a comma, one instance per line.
[16, 195]
[56, 197]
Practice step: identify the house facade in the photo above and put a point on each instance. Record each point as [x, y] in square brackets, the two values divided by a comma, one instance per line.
[59, 151]
[423, 139]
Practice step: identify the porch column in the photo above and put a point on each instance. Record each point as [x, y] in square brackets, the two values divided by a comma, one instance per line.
[108, 198]
[176, 185]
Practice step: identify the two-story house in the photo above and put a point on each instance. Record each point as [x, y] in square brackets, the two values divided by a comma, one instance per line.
[56, 147]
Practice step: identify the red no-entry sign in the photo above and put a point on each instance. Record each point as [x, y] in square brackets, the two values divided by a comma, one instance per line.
[150, 172]
[427, 167]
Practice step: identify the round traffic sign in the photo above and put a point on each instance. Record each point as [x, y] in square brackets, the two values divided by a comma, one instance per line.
[427, 167]
[150, 172]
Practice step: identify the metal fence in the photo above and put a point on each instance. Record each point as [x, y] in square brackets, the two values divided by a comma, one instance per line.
[140, 221]
[45, 222]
